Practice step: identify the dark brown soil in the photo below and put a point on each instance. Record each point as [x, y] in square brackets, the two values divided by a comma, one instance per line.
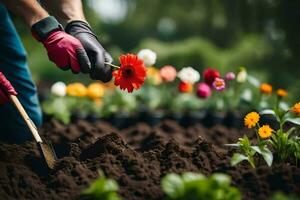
[137, 158]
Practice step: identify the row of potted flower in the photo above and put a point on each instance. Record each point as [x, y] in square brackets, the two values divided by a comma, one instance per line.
[162, 92]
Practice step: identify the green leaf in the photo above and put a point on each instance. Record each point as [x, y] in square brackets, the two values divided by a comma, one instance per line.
[233, 145]
[266, 154]
[102, 188]
[293, 120]
[268, 112]
[173, 186]
[222, 179]
[111, 186]
[237, 158]
[190, 176]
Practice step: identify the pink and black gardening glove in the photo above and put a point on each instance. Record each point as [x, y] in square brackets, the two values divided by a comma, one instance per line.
[96, 53]
[63, 49]
[5, 89]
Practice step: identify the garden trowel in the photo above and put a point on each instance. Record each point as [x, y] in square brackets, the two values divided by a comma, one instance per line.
[46, 151]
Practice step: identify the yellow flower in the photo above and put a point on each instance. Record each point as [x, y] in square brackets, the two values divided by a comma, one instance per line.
[76, 89]
[296, 109]
[95, 90]
[154, 75]
[281, 93]
[265, 131]
[152, 71]
[251, 119]
[266, 88]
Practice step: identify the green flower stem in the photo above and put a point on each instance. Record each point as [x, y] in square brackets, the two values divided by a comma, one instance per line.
[112, 65]
[257, 135]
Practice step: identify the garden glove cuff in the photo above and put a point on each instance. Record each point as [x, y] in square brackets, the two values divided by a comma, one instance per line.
[5, 89]
[96, 53]
[63, 49]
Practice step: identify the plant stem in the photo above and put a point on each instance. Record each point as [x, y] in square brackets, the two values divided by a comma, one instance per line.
[112, 65]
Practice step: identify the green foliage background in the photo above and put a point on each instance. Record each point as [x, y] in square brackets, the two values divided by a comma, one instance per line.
[262, 35]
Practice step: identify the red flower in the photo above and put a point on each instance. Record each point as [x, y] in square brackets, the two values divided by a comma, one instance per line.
[131, 74]
[185, 87]
[210, 75]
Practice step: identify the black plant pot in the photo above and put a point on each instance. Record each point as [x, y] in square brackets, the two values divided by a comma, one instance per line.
[233, 119]
[109, 119]
[192, 118]
[174, 116]
[77, 115]
[93, 117]
[123, 120]
[213, 118]
[154, 118]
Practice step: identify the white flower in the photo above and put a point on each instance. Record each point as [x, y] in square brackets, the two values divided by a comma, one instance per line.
[58, 89]
[242, 76]
[148, 56]
[189, 75]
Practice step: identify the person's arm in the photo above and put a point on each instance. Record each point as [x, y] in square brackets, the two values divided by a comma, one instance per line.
[65, 10]
[70, 13]
[29, 10]
[63, 49]
[6, 89]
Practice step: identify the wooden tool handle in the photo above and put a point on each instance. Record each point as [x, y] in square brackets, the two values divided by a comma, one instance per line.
[26, 118]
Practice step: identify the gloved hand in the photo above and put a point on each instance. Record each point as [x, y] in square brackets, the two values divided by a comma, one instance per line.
[96, 53]
[5, 89]
[63, 49]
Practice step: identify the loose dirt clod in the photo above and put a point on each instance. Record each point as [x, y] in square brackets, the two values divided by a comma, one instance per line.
[137, 158]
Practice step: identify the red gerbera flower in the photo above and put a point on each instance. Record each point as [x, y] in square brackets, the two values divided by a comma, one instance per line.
[131, 74]
[210, 75]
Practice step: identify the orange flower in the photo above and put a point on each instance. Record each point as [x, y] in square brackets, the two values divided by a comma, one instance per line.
[185, 87]
[266, 88]
[251, 119]
[131, 74]
[265, 131]
[95, 90]
[76, 89]
[281, 93]
[296, 109]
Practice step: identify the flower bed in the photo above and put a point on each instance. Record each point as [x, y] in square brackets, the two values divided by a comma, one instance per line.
[153, 142]
[137, 158]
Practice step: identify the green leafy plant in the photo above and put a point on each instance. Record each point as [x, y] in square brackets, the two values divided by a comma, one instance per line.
[196, 186]
[102, 189]
[118, 101]
[285, 141]
[62, 108]
[248, 152]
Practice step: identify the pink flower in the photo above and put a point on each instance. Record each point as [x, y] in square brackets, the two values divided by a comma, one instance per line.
[203, 90]
[230, 76]
[168, 73]
[219, 84]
